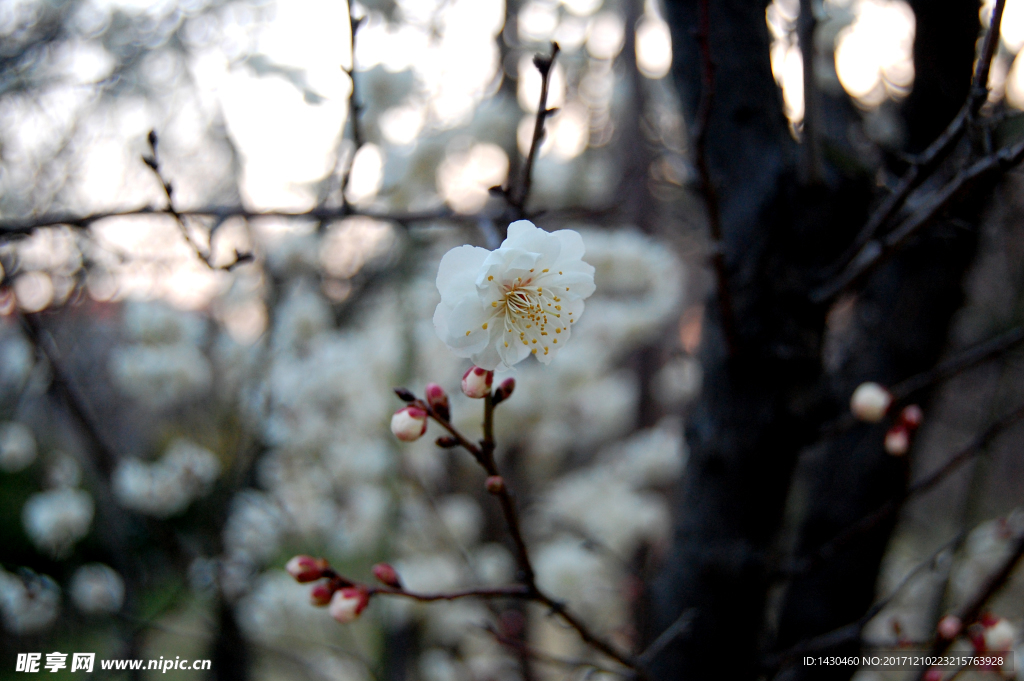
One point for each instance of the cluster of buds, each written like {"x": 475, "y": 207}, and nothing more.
{"x": 897, "y": 438}
{"x": 344, "y": 599}
{"x": 992, "y": 634}
{"x": 410, "y": 422}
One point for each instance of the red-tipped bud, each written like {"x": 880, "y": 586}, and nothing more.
{"x": 912, "y": 416}
{"x": 870, "y": 402}
{"x": 437, "y": 398}
{"x": 306, "y": 568}
{"x": 386, "y": 575}
{"x": 897, "y": 440}
{"x": 1000, "y": 635}
{"x": 950, "y": 627}
{"x": 504, "y": 391}
{"x": 348, "y": 603}
{"x": 409, "y": 423}
{"x": 405, "y": 394}
{"x": 495, "y": 484}
{"x": 446, "y": 442}
{"x": 476, "y": 382}
{"x": 320, "y": 594}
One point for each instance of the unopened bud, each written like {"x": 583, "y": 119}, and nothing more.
{"x": 912, "y": 416}
{"x": 504, "y": 391}
{"x": 348, "y": 603}
{"x": 320, "y": 595}
{"x": 495, "y": 484}
{"x": 409, "y": 423}
{"x": 437, "y": 398}
{"x": 386, "y": 575}
{"x": 476, "y": 382}
{"x": 404, "y": 394}
{"x": 306, "y": 568}
{"x": 897, "y": 440}
{"x": 870, "y": 402}
{"x": 1000, "y": 636}
{"x": 950, "y": 627}
{"x": 446, "y": 442}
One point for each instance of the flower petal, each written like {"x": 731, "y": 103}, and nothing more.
{"x": 458, "y": 271}
{"x": 524, "y": 235}
{"x": 571, "y": 244}
{"x": 464, "y": 327}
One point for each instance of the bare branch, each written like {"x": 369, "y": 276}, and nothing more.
{"x": 877, "y": 250}
{"x": 153, "y": 163}
{"x": 850, "y": 633}
{"x": 517, "y": 199}
{"x": 925, "y": 164}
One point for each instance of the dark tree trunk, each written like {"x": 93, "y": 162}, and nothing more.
{"x": 766, "y": 400}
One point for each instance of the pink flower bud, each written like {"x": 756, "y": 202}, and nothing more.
{"x": 911, "y": 416}
{"x": 348, "y": 603}
{"x": 476, "y": 382}
{"x": 495, "y": 484}
{"x": 306, "y": 568}
{"x": 387, "y": 575}
{"x": 409, "y": 423}
{"x": 897, "y": 440}
{"x": 950, "y": 627}
{"x": 437, "y": 398}
{"x": 504, "y": 391}
{"x": 870, "y": 402}
{"x": 320, "y": 594}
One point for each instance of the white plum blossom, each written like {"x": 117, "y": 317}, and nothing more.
{"x": 97, "y": 588}
{"x": 17, "y": 447}
{"x": 498, "y": 307}
{"x": 56, "y": 519}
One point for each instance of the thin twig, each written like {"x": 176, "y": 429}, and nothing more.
{"x": 850, "y": 633}
{"x": 524, "y": 650}
{"x": 153, "y": 163}
{"x": 670, "y": 634}
{"x": 924, "y": 164}
{"x": 829, "y": 549}
{"x": 355, "y": 109}
{"x": 517, "y": 198}
{"x": 877, "y": 250}
{"x": 700, "y": 135}
{"x": 25, "y": 226}
{"x": 972, "y": 356}
{"x": 517, "y": 591}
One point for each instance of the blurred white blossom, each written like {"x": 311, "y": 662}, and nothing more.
{"x": 55, "y": 520}
{"x": 97, "y": 588}
{"x": 165, "y": 488}
{"x": 17, "y": 447}
{"x": 29, "y": 605}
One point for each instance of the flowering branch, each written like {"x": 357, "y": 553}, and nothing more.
{"x": 971, "y": 610}
{"x": 152, "y": 161}
{"x": 517, "y": 199}
{"x": 865, "y": 251}
{"x": 829, "y": 549}
{"x": 410, "y": 423}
